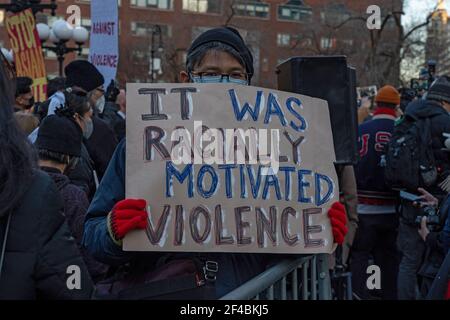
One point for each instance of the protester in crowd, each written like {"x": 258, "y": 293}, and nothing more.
{"x": 79, "y": 109}
{"x": 213, "y": 54}
{"x": 436, "y": 108}
{"x": 111, "y": 106}
{"x": 114, "y": 113}
{"x": 434, "y": 239}
{"x": 26, "y": 121}
{"x": 84, "y": 79}
{"x": 378, "y": 222}
{"x": 59, "y": 144}
{"x": 24, "y": 96}
{"x": 37, "y": 247}
{"x": 55, "y": 89}
{"x": 120, "y": 125}
{"x": 446, "y": 235}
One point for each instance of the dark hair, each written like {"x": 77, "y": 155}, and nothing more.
{"x": 23, "y": 85}
{"x": 48, "y": 155}
{"x": 75, "y": 104}
{"x": 55, "y": 85}
{"x": 196, "y": 57}
{"x": 386, "y": 105}
{"x": 16, "y": 158}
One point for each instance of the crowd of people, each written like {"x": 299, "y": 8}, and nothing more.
{"x": 62, "y": 193}
{"x": 403, "y": 223}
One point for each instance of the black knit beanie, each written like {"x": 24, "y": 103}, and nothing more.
{"x": 228, "y": 36}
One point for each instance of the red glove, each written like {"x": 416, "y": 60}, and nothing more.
{"x": 338, "y": 219}
{"x": 127, "y": 215}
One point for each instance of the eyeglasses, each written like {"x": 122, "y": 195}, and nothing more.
{"x": 234, "y": 75}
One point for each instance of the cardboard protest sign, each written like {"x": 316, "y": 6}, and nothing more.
{"x": 229, "y": 168}
{"x": 26, "y": 45}
{"x": 104, "y": 44}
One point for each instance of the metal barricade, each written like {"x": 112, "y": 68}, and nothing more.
{"x": 304, "y": 278}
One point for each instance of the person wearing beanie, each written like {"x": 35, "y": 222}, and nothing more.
{"x": 83, "y": 78}
{"x": 377, "y": 228}
{"x": 24, "y": 95}
{"x": 219, "y": 55}
{"x": 435, "y": 107}
{"x": 59, "y": 144}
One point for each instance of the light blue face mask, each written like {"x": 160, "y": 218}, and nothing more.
{"x": 218, "y": 79}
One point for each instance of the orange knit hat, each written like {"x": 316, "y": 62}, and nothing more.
{"x": 388, "y": 94}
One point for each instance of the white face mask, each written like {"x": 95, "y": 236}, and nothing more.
{"x": 100, "y": 104}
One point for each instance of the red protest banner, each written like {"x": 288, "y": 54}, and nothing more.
{"x": 26, "y": 45}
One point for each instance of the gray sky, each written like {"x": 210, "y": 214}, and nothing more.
{"x": 417, "y": 10}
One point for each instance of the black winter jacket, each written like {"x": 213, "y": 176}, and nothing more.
{"x": 440, "y": 123}
{"x": 75, "y": 209}
{"x": 82, "y": 175}
{"x": 101, "y": 146}
{"x": 40, "y": 248}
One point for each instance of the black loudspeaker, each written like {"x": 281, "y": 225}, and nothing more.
{"x": 328, "y": 78}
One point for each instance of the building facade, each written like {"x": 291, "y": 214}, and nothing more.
{"x": 438, "y": 40}
{"x": 275, "y": 31}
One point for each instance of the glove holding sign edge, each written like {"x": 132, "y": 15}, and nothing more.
{"x": 127, "y": 215}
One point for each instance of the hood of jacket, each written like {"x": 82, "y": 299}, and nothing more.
{"x": 58, "y": 178}
{"x": 425, "y": 109}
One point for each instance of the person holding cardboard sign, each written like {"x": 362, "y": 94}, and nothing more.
{"x": 216, "y": 56}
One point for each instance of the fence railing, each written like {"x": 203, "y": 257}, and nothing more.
{"x": 304, "y": 278}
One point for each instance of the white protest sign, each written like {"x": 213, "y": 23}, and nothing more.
{"x": 229, "y": 168}
{"x": 104, "y": 47}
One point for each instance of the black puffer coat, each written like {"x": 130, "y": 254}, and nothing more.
{"x": 40, "y": 248}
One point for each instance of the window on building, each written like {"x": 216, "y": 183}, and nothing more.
{"x": 327, "y": 43}
{"x": 295, "y": 10}
{"x": 335, "y": 14}
{"x": 144, "y": 29}
{"x": 87, "y": 23}
{"x": 283, "y": 40}
{"x": 202, "y": 6}
{"x": 348, "y": 42}
{"x": 48, "y": 19}
{"x": 154, "y": 4}
{"x": 251, "y": 8}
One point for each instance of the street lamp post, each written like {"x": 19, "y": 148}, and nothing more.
{"x": 35, "y": 5}
{"x": 59, "y": 35}
{"x": 156, "y": 31}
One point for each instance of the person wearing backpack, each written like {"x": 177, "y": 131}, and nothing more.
{"x": 424, "y": 164}
{"x": 377, "y": 229}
